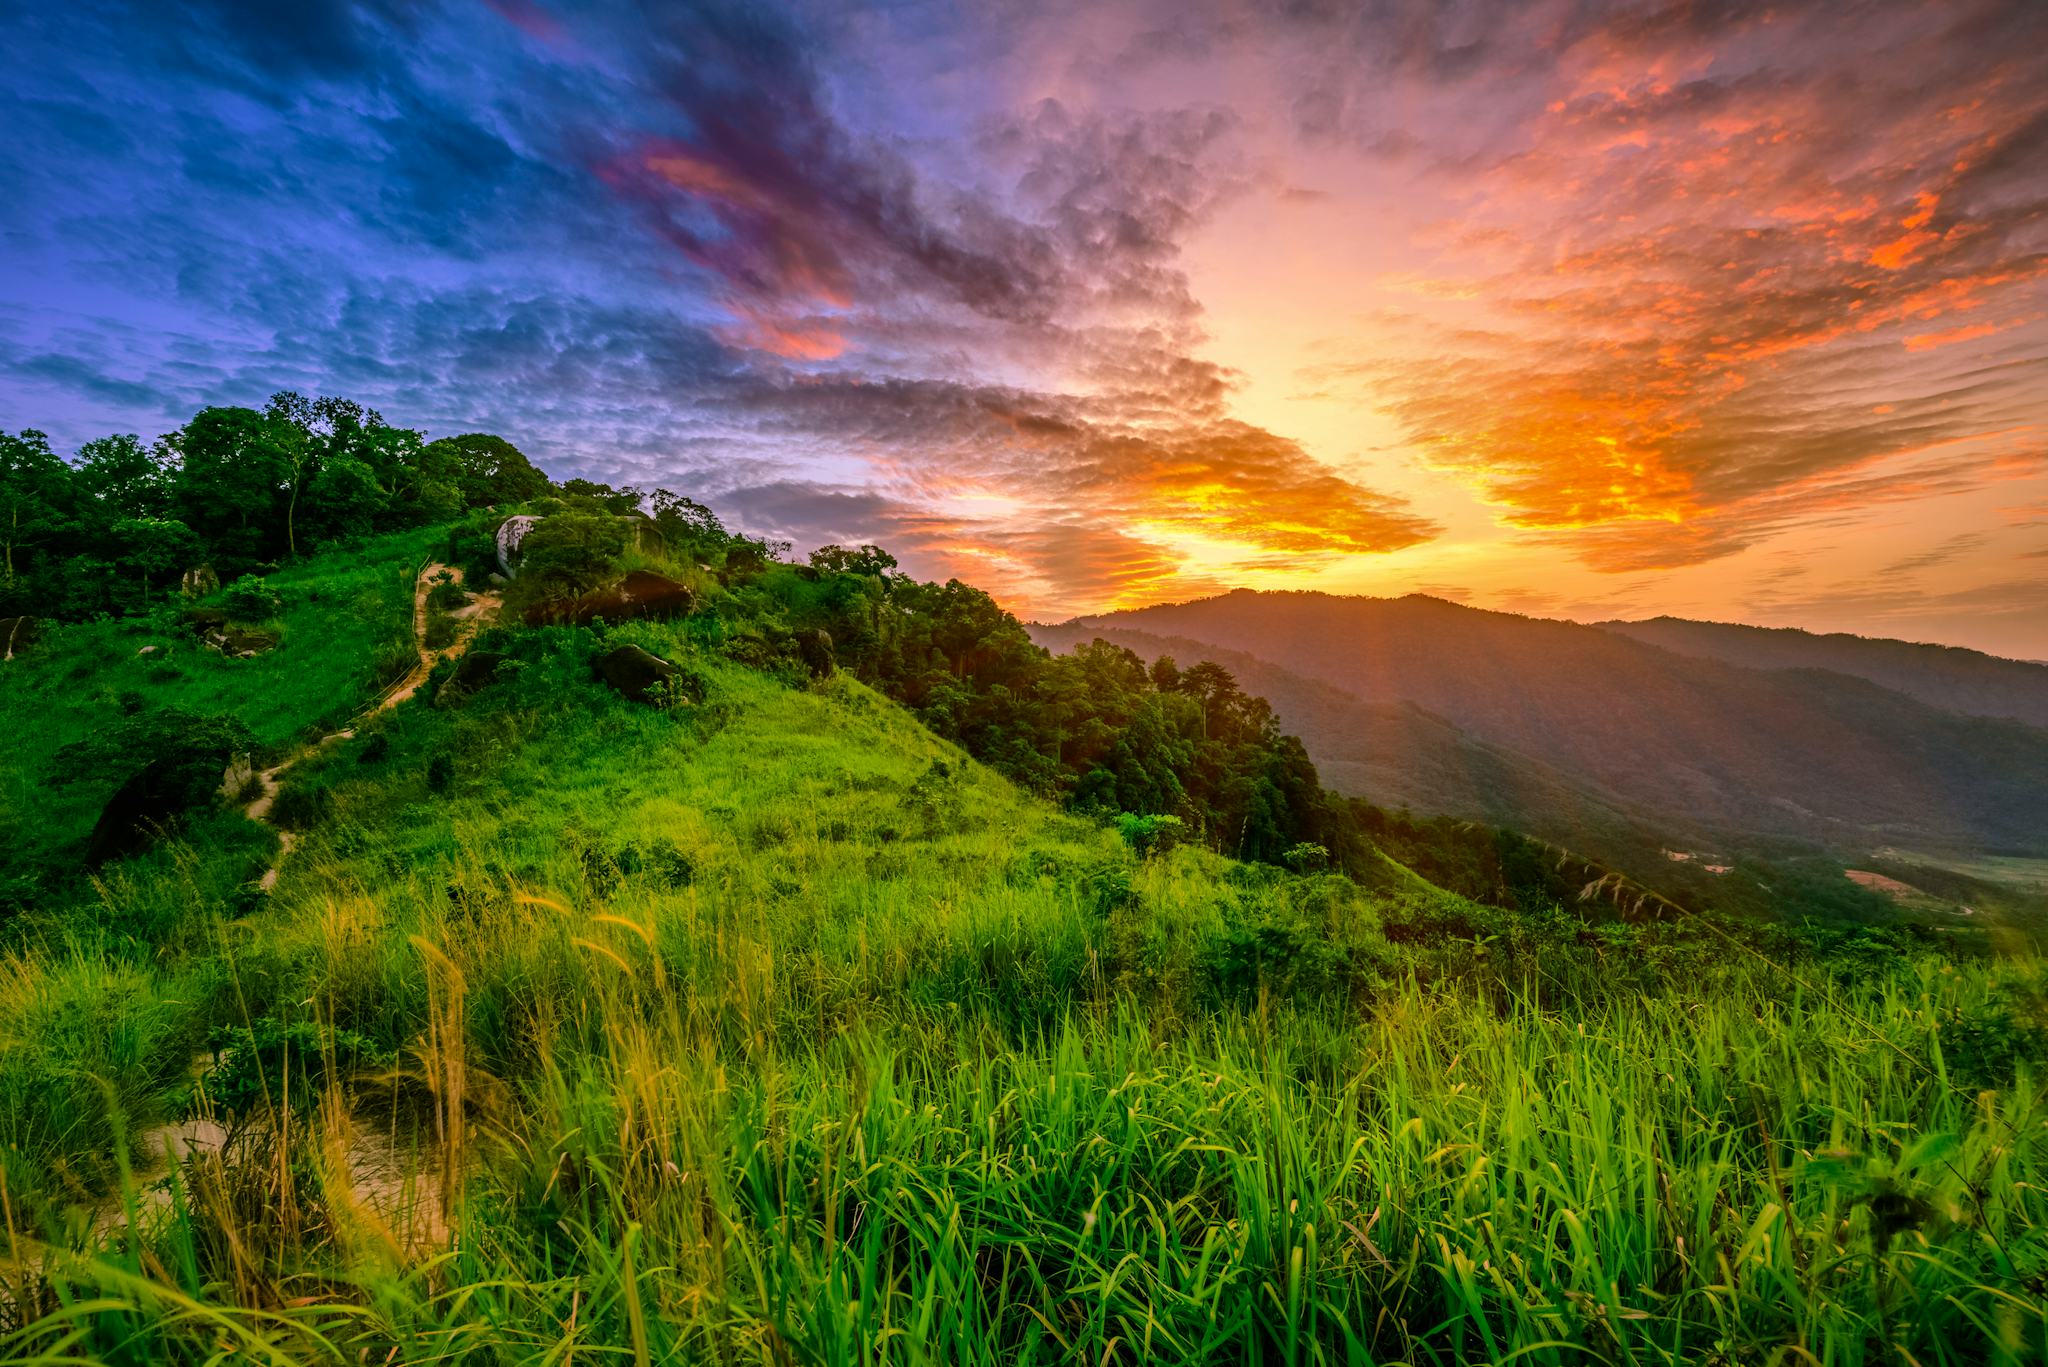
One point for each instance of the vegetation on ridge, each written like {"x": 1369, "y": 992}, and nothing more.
{"x": 768, "y": 1023}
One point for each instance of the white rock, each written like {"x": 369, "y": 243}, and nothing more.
{"x": 511, "y": 532}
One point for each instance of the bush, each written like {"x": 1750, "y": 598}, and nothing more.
{"x": 251, "y": 1062}
{"x": 571, "y": 553}
{"x": 1150, "y": 835}
{"x": 301, "y": 805}
{"x": 249, "y": 601}
{"x": 440, "y": 773}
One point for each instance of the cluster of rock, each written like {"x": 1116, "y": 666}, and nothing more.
{"x": 216, "y": 632}
{"x": 640, "y": 595}
{"x": 474, "y": 671}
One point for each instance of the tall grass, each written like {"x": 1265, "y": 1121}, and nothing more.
{"x": 772, "y": 1031}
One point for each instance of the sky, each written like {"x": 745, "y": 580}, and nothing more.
{"x": 1577, "y": 308}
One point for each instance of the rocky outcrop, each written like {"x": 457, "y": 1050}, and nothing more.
{"x": 241, "y": 769}
{"x": 511, "y": 532}
{"x": 17, "y": 634}
{"x": 241, "y": 643}
{"x": 635, "y": 673}
{"x": 814, "y": 648}
{"x": 154, "y": 800}
{"x": 213, "y": 629}
{"x": 199, "y": 581}
{"x": 473, "y": 671}
{"x": 640, "y": 595}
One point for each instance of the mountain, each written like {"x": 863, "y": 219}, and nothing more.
{"x": 1404, "y": 756}
{"x": 1688, "y": 743}
{"x": 1948, "y": 677}
{"x": 499, "y": 999}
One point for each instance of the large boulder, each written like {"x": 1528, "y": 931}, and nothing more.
{"x": 641, "y": 594}
{"x": 814, "y": 648}
{"x": 637, "y": 674}
{"x": 17, "y": 634}
{"x": 473, "y": 671}
{"x": 154, "y": 800}
{"x": 511, "y": 532}
{"x": 199, "y": 581}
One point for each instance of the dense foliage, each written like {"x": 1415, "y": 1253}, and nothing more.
{"x": 235, "y": 489}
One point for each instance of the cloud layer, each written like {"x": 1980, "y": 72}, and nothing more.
{"x": 1658, "y": 283}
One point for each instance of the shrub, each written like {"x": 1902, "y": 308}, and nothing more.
{"x": 249, "y": 600}
{"x": 1150, "y": 835}
{"x": 440, "y": 773}
{"x": 446, "y": 594}
{"x": 301, "y": 805}
{"x": 251, "y": 1062}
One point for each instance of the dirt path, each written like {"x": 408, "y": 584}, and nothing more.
{"x": 469, "y": 617}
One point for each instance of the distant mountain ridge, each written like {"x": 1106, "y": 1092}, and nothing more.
{"x": 1948, "y": 677}
{"x": 1601, "y": 722}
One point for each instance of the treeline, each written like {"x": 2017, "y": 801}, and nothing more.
{"x": 235, "y": 489}
{"x": 1179, "y": 753}
{"x": 1097, "y": 729}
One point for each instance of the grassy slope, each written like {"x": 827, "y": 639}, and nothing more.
{"x": 321, "y": 670}
{"x": 874, "y": 1060}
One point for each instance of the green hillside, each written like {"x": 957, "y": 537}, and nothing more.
{"x": 761, "y": 1021}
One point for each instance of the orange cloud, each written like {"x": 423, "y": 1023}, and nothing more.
{"x": 1679, "y": 353}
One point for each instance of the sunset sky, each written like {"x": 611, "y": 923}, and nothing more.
{"x": 1574, "y": 309}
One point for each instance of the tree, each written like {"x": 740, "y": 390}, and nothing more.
{"x": 236, "y": 472}
{"x": 147, "y": 547}
{"x": 35, "y": 487}
{"x": 686, "y": 522}
{"x": 425, "y": 480}
{"x": 124, "y": 477}
{"x": 489, "y": 470}
{"x": 344, "y": 499}
{"x": 870, "y": 560}
{"x": 573, "y": 551}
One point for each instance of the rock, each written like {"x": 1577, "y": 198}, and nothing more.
{"x": 199, "y": 581}
{"x": 242, "y": 643}
{"x": 149, "y": 650}
{"x": 511, "y": 532}
{"x": 203, "y": 620}
{"x": 241, "y": 768}
{"x": 634, "y": 672}
{"x": 496, "y": 580}
{"x": 472, "y": 672}
{"x": 154, "y": 800}
{"x": 639, "y": 595}
{"x": 18, "y": 634}
{"x": 646, "y": 532}
{"x": 814, "y": 648}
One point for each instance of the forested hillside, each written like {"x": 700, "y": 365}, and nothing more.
{"x": 1947, "y": 677}
{"x": 568, "y": 929}
{"x": 1690, "y": 743}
